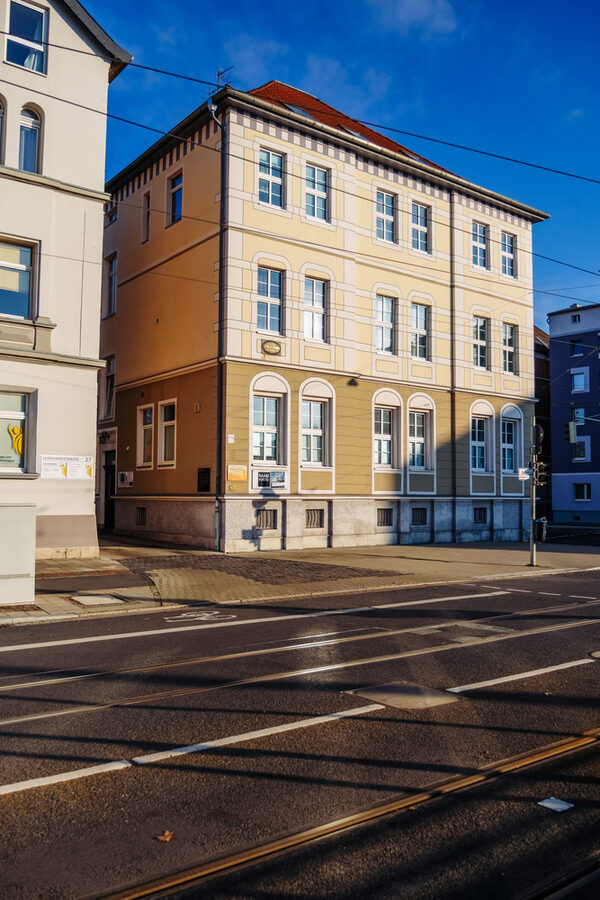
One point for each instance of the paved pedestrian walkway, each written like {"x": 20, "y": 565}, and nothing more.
{"x": 133, "y": 577}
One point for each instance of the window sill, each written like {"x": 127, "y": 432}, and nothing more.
{"x": 319, "y": 467}
{"x": 24, "y": 476}
{"x": 15, "y": 65}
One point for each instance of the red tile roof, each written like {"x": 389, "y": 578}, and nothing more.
{"x": 283, "y": 95}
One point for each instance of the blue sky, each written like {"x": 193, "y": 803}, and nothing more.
{"x": 515, "y": 78}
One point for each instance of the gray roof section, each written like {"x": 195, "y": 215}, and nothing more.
{"x": 119, "y": 57}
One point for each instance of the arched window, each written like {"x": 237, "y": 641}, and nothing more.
{"x": 386, "y": 428}
{"x": 316, "y": 423}
{"x": 482, "y": 437}
{"x": 29, "y": 141}
{"x": 1, "y": 131}
{"x": 269, "y": 395}
{"x": 421, "y": 433}
{"x": 511, "y": 439}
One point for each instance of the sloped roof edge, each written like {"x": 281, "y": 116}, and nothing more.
{"x": 120, "y": 57}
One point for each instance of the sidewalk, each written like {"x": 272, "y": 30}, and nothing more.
{"x": 131, "y": 577}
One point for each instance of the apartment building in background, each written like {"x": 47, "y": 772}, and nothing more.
{"x": 575, "y": 395}
{"x": 313, "y": 337}
{"x": 55, "y": 66}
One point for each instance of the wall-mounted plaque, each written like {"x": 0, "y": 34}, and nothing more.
{"x": 272, "y": 348}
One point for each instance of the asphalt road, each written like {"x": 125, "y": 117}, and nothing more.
{"x": 284, "y": 690}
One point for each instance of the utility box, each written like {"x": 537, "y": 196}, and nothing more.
{"x": 17, "y": 553}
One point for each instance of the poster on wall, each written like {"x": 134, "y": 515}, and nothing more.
{"x": 275, "y": 479}
{"x": 66, "y": 467}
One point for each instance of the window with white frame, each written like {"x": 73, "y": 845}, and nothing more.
{"x": 313, "y": 431}
{"x": 417, "y": 439}
{"x": 575, "y": 318}
{"x": 167, "y": 424}
{"x": 420, "y": 227}
{"x": 29, "y": 141}
{"x": 270, "y": 178}
{"x": 317, "y": 193}
{"x": 385, "y": 216}
{"x": 1, "y": 132}
{"x": 582, "y": 490}
{"x": 383, "y": 437}
{"x": 481, "y": 331}
{"x": 145, "y": 436}
{"x": 27, "y": 28}
{"x": 111, "y": 283}
{"x": 269, "y": 287}
{"x": 507, "y": 254}
{"x": 580, "y": 380}
{"x": 581, "y": 449}
{"x": 480, "y": 245}
{"x": 146, "y": 212}
{"x": 385, "y": 308}
{"x": 509, "y": 348}
{"x": 266, "y": 429}
{"x": 175, "y": 198}
{"x": 508, "y": 445}
{"x": 16, "y": 280}
{"x": 419, "y": 339}
{"x": 315, "y": 308}
{"x": 579, "y": 415}
{"x": 109, "y": 388}
{"x": 479, "y": 443}
{"x": 14, "y": 410}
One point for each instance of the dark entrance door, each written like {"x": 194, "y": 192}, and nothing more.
{"x": 109, "y": 490}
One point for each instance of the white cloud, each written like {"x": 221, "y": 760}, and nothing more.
{"x": 255, "y": 60}
{"x": 434, "y": 18}
{"x": 575, "y": 114}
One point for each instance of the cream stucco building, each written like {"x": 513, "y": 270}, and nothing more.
{"x": 313, "y": 336}
{"x": 55, "y": 66}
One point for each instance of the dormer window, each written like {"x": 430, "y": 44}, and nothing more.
{"x": 26, "y": 35}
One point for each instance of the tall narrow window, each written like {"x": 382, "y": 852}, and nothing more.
{"x": 508, "y": 445}
{"x": 479, "y": 444}
{"x": 167, "y": 425}
{"x": 16, "y": 282}
{"x": 385, "y": 218}
{"x": 384, "y": 329}
{"x": 315, "y": 298}
{"x": 109, "y": 397}
{"x": 26, "y": 35}
{"x": 507, "y": 248}
{"x": 480, "y": 342}
{"x": 29, "y": 141}
{"x": 265, "y": 429}
{"x": 146, "y": 217}
{"x": 1, "y": 132}
{"x": 175, "y": 199}
{"x": 270, "y": 283}
{"x": 313, "y": 431}
{"x": 270, "y": 181}
{"x": 480, "y": 245}
{"x": 317, "y": 193}
{"x": 419, "y": 339}
{"x": 420, "y": 227}
{"x": 509, "y": 348}
{"x": 111, "y": 296}
{"x": 13, "y": 432}
{"x": 383, "y": 437}
{"x": 145, "y": 435}
{"x": 417, "y": 439}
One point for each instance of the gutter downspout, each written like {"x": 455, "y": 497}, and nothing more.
{"x": 453, "y": 367}
{"x": 220, "y": 328}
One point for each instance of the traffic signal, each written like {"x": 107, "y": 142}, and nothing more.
{"x": 541, "y": 475}
{"x": 571, "y": 432}
{"x": 538, "y": 437}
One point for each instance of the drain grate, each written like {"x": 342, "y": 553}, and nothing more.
{"x": 405, "y": 695}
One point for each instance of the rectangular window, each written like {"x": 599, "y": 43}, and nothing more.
{"x": 480, "y": 515}
{"x": 166, "y": 439}
{"x": 507, "y": 253}
{"x": 146, "y": 217}
{"x": 419, "y": 515}
{"x": 313, "y": 431}
{"x": 581, "y": 449}
{"x": 270, "y": 282}
{"x": 315, "y": 518}
{"x": 265, "y": 429}
{"x": 111, "y": 212}
{"x": 266, "y": 519}
{"x": 576, "y": 347}
{"x": 145, "y": 435}
{"x": 16, "y": 280}
{"x": 270, "y": 179}
{"x": 1, "y": 132}
{"x": 480, "y": 245}
{"x": 384, "y": 329}
{"x": 578, "y": 381}
{"x": 575, "y": 318}
{"x": 479, "y": 444}
{"x": 508, "y": 445}
{"x": 480, "y": 342}
{"x": 509, "y": 347}
{"x": 315, "y": 300}
{"x": 385, "y": 216}
{"x": 317, "y": 193}
{"x": 140, "y": 516}
{"x": 420, "y": 218}
{"x": 383, "y": 437}
{"x": 111, "y": 295}
{"x": 579, "y": 415}
{"x": 582, "y": 491}
{"x": 26, "y": 35}
{"x": 417, "y": 439}
{"x": 385, "y": 517}
{"x": 419, "y": 339}
{"x": 109, "y": 396}
{"x": 175, "y": 198}
{"x": 13, "y": 432}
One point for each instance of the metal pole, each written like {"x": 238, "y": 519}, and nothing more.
{"x": 533, "y": 467}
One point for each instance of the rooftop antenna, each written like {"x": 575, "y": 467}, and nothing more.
{"x": 220, "y": 74}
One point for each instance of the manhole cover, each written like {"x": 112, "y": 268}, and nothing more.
{"x": 96, "y": 600}
{"x": 404, "y": 695}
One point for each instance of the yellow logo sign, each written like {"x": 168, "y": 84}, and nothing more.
{"x": 16, "y": 434}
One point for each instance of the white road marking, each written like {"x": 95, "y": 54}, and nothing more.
{"x": 579, "y": 597}
{"x": 15, "y": 648}
{"x": 520, "y": 675}
{"x": 254, "y": 735}
{"x": 63, "y": 776}
{"x": 548, "y": 594}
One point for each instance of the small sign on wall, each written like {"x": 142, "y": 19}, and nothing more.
{"x": 125, "y": 479}
{"x": 66, "y": 467}
{"x": 275, "y": 479}
{"x": 237, "y": 473}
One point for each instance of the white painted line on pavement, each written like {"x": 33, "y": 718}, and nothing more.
{"x": 520, "y": 675}
{"x": 63, "y": 776}
{"x": 548, "y": 594}
{"x": 580, "y": 597}
{"x": 254, "y": 735}
{"x": 15, "y": 648}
